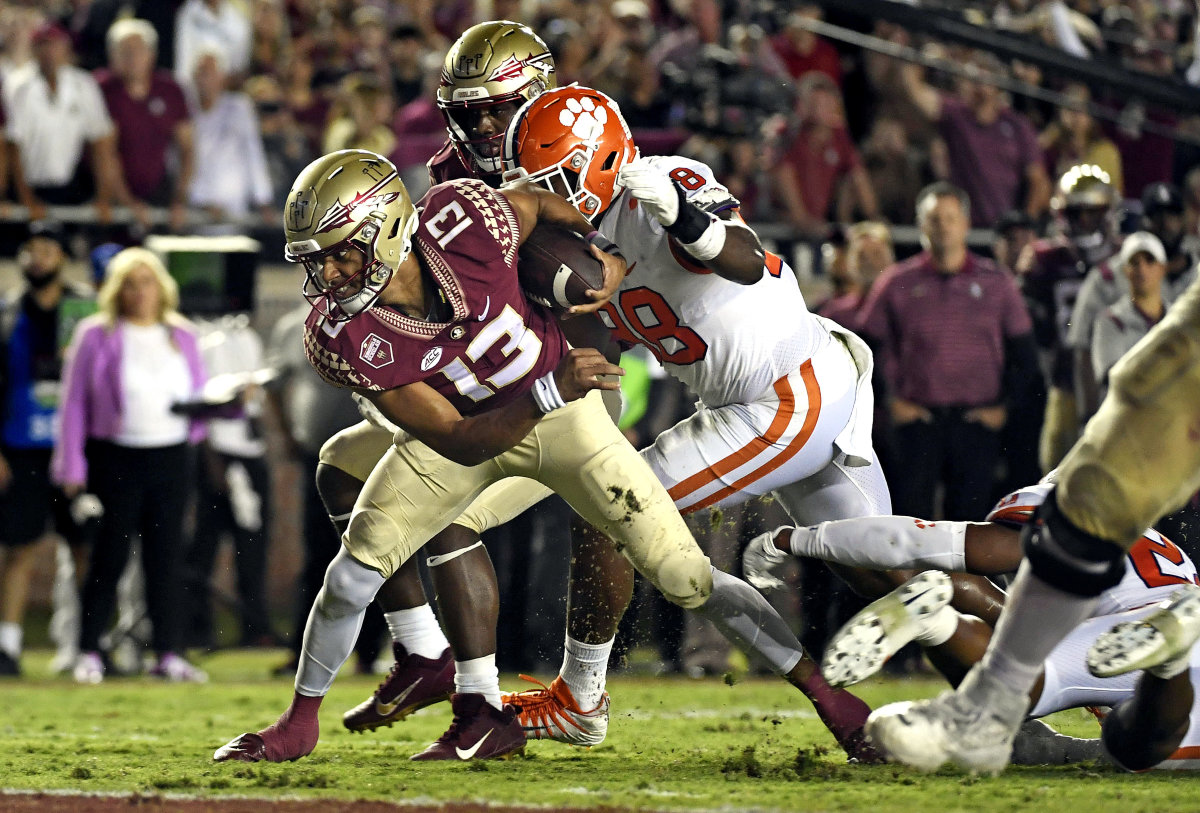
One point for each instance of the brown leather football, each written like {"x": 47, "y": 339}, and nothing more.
{"x": 556, "y": 267}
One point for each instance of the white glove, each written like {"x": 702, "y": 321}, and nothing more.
{"x": 760, "y": 558}
{"x": 650, "y": 184}
{"x": 371, "y": 412}
{"x": 84, "y": 507}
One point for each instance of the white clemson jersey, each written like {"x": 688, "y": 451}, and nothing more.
{"x": 1155, "y": 567}
{"x": 727, "y": 341}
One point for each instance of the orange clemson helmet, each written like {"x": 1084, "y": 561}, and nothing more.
{"x": 574, "y": 141}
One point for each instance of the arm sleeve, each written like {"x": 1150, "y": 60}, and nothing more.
{"x": 67, "y": 462}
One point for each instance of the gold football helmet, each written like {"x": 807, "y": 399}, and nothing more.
{"x": 491, "y": 64}
{"x": 348, "y": 199}
{"x": 1086, "y": 203}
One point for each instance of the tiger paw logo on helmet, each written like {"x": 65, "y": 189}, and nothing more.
{"x": 585, "y": 118}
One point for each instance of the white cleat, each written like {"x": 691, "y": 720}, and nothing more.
{"x": 865, "y": 643}
{"x": 972, "y": 727}
{"x": 760, "y": 558}
{"x": 1162, "y": 638}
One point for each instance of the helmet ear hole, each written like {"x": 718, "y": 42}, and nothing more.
{"x": 610, "y": 161}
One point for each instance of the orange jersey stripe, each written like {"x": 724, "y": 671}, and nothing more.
{"x": 783, "y": 416}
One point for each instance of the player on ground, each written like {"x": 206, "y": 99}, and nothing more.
{"x": 918, "y": 610}
{"x": 1138, "y": 459}
{"x": 784, "y": 395}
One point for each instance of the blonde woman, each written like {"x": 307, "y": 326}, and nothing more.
{"x": 127, "y": 366}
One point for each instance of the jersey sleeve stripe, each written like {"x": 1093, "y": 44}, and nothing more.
{"x": 685, "y": 261}
{"x": 773, "y": 262}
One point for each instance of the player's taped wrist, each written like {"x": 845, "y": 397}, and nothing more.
{"x": 601, "y": 242}
{"x": 701, "y": 234}
{"x": 546, "y": 395}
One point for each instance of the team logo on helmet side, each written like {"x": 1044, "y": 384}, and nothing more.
{"x": 514, "y": 68}
{"x": 341, "y": 214}
{"x": 300, "y": 209}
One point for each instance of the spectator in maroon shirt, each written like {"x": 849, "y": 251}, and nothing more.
{"x": 955, "y": 339}
{"x": 150, "y": 113}
{"x": 993, "y": 149}
{"x": 802, "y": 51}
{"x": 820, "y": 157}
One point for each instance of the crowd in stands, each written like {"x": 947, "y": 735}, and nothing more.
{"x": 205, "y": 110}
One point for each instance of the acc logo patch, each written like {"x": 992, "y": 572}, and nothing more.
{"x": 376, "y": 351}
{"x": 430, "y": 359}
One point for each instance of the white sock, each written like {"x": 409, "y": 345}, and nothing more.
{"x": 584, "y": 669}
{"x": 10, "y": 638}
{"x": 417, "y": 630}
{"x": 1036, "y": 618}
{"x": 938, "y": 628}
{"x": 479, "y": 676}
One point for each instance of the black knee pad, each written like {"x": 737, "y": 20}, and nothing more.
{"x": 1067, "y": 558}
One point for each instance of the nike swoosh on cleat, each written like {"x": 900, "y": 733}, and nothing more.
{"x": 470, "y": 752}
{"x": 384, "y": 709}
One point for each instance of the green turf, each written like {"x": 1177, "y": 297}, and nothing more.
{"x": 674, "y": 744}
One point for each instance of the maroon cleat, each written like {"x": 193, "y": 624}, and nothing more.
{"x": 413, "y": 684}
{"x": 292, "y": 736}
{"x": 479, "y": 731}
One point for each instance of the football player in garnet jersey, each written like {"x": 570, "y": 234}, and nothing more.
{"x": 492, "y": 69}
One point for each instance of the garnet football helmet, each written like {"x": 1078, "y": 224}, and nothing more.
{"x": 573, "y": 141}
{"x": 343, "y": 200}
{"x": 491, "y": 64}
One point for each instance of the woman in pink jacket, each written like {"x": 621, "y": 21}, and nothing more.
{"x": 122, "y": 440}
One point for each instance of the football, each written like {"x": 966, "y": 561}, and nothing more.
{"x": 556, "y": 268}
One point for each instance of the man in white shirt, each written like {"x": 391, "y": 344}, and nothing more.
{"x": 55, "y": 110}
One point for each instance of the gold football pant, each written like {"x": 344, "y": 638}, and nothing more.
{"x": 412, "y": 493}
{"x": 1060, "y": 428}
{"x": 1139, "y": 457}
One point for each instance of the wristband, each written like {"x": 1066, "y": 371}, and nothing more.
{"x": 546, "y": 395}
{"x": 690, "y": 223}
{"x": 601, "y": 242}
{"x": 710, "y": 243}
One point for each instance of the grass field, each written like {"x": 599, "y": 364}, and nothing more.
{"x": 673, "y": 744}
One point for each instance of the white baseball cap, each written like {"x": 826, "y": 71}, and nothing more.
{"x": 1141, "y": 242}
